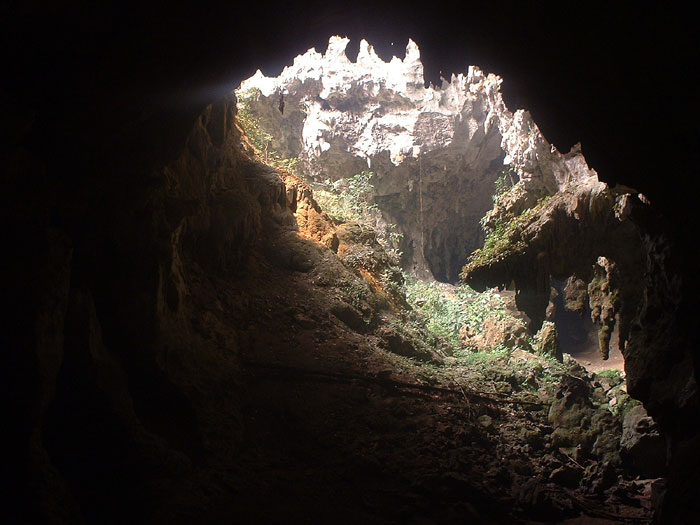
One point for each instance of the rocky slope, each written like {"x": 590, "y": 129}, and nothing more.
{"x": 435, "y": 153}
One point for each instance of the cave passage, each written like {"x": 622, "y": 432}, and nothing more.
{"x": 578, "y": 335}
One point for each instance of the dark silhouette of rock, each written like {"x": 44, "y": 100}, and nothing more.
{"x": 642, "y": 445}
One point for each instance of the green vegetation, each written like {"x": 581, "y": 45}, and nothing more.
{"x": 507, "y": 372}
{"x": 504, "y": 239}
{"x": 251, "y": 124}
{"x": 503, "y": 184}
{"x": 259, "y": 138}
{"x": 351, "y": 201}
{"x": 625, "y": 403}
{"x": 482, "y": 359}
{"x": 612, "y": 374}
{"x": 443, "y": 312}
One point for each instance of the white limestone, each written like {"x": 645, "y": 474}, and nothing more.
{"x": 378, "y": 107}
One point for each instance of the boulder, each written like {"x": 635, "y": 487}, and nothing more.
{"x": 641, "y": 444}
{"x": 578, "y": 424}
{"x": 498, "y": 331}
{"x": 547, "y": 342}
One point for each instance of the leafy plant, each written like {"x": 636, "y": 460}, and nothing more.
{"x": 479, "y": 306}
{"x": 443, "y": 311}
{"x": 351, "y": 203}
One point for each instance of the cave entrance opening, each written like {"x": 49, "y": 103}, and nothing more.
{"x": 578, "y": 335}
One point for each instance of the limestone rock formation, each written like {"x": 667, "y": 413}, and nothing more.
{"x": 435, "y": 151}
{"x": 504, "y": 331}
{"x": 546, "y": 340}
{"x": 603, "y": 298}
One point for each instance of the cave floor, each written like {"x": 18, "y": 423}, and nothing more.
{"x": 335, "y": 428}
{"x": 592, "y": 361}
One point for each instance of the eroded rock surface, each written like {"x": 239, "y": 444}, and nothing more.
{"x": 435, "y": 150}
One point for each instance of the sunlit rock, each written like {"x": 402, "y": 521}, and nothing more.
{"x": 435, "y": 151}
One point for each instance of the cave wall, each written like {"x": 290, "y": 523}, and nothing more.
{"x": 121, "y": 379}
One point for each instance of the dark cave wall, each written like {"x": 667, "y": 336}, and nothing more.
{"x": 112, "y": 182}
{"x": 120, "y": 389}
{"x": 437, "y": 203}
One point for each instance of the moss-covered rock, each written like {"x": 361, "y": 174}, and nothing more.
{"x": 506, "y": 237}
{"x": 547, "y": 341}
{"x": 578, "y": 424}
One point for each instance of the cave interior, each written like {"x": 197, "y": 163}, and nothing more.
{"x": 191, "y": 337}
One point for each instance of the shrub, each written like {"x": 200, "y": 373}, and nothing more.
{"x": 443, "y": 311}
{"x": 352, "y": 203}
